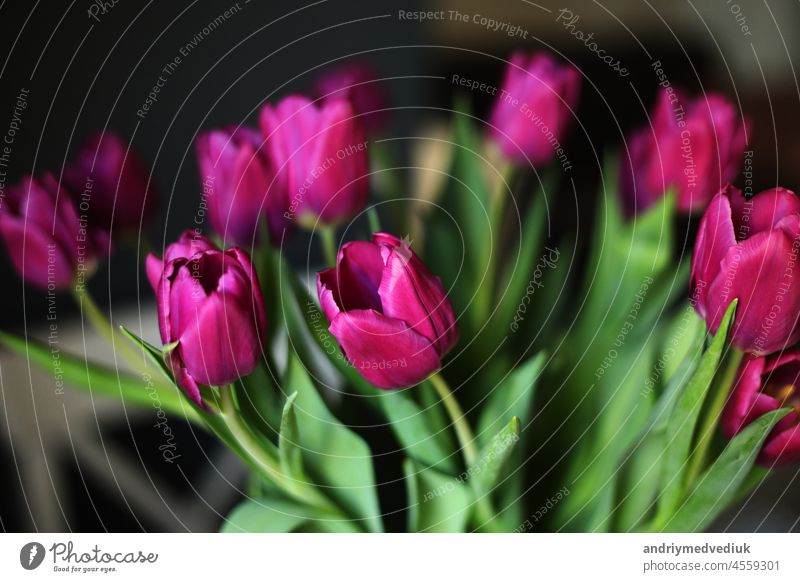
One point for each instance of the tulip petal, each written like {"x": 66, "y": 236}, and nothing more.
{"x": 184, "y": 379}
{"x": 410, "y": 292}
{"x": 784, "y": 447}
{"x": 153, "y": 267}
{"x": 763, "y": 211}
{"x": 743, "y": 393}
{"x": 384, "y": 350}
{"x": 221, "y": 344}
{"x": 255, "y": 299}
{"x": 754, "y": 271}
{"x": 714, "y": 238}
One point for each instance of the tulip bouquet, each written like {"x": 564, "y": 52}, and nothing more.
{"x": 488, "y": 372}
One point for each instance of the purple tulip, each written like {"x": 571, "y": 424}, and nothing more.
{"x": 531, "y": 114}
{"x": 766, "y": 384}
{"x": 357, "y": 83}
{"x": 320, "y": 155}
{"x": 748, "y": 250}
{"x": 694, "y": 146}
{"x": 391, "y": 316}
{"x": 236, "y": 176}
{"x": 51, "y": 245}
{"x": 211, "y": 308}
{"x": 113, "y": 182}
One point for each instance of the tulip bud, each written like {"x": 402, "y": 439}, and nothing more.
{"x": 765, "y": 384}
{"x": 113, "y": 182}
{"x": 391, "y": 316}
{"x": 694, "y": 146}
{"x": 748, "y": 250}
{"x": 211, "y": 309}
{"x": 531, "y": 114}
{"x": 49, "y": 242}
{"x": 320, "y": 155}
{"x": 357, "y": 83}
{"x": 236, "y": 176}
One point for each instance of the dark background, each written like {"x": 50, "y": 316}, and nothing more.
{"x": 85, "y": 76}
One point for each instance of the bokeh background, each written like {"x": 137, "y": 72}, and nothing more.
{"x": 73, "y": 463}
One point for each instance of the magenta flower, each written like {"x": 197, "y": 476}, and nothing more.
{"x": 236, "y": 176}
{"x": 748, "y": 250}
{"x": 112, "y": 181}
{"x": 320, "y": 155}
{"x": 357, "y": 83}
{"x": 766, "y": 384}
{"x": 210, "y": 310}
{"x": 49, "y": 242}
{"x": 391, "y": 316}
{"x": 693, "y": 145}
{"x": 533, "y": 110}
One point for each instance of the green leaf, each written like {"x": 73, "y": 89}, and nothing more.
{"x": 624, "y": 253}
{"x": 277, "y": 515}
{"x": 682, "y": 340}
{"x": 485, "y": 472}
{"x": 683, "y": 420}
{"x": 334, "y": 456}
{"x": 412, "y": 426}
{"x": 266, "y": 516}
{"x": 100, "y": 380}
{"x": 436, "y": 502}
{"x": 288, "y": 449}
{"x": 459, "y": 227}
{"x": 512, "y": 397}
{"x": 261, "y": 401}
{"x": 153, "y": 354}
{"x": 525, "y": 261}
{"x": 640, "y": 474}
{"x": 719, "y": 485}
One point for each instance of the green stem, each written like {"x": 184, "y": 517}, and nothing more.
{"x": 463, "y": 431}
{"x": 267, "y": 464}
{"x": 120, "y": 344}
{"x": 497, "y": 205}
{"x": 374, "y": 220}
{"x": 723, "y": 387}
{"x": 484, "y": 512}
{"x": 327, "y": 236}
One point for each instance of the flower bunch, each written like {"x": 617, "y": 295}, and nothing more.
{"x": 502, "y": 357}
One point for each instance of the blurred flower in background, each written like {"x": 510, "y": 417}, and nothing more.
{"x": 236, "y": 175}
{"x": 114, "y": 181}
{"x": 358, "y": 83}
{"x": 693, "y": 145}
{"x": 49, "y": 242}
{"x": 320, "y": 156}
{"x": 534, "y": 107}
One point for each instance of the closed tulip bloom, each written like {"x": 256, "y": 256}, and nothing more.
{"x": 48, "y": 241}
{"x": 390, "y": 315}
{"x": 211, "y": 309}
{"x": 113, "y": 182}
{"x": 357, "y": 83}
{"x": 320, "y": 156}
{"x": 694, "y": 146}
{"x": 765, "y": 384}
{"x": 748, "y": 250}
{"x": 532, "y": 113}
{"x": 236, "y": 176}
